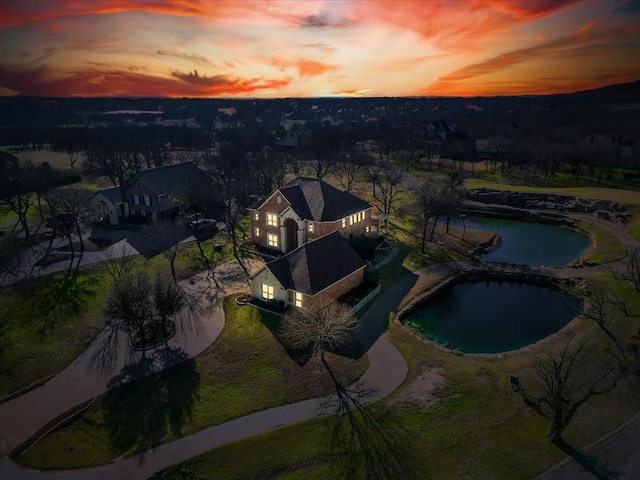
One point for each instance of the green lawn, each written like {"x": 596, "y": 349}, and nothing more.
{"x": 46, "y": 323}
{"x": 477, "y": 427}
{"x": 246, "y": 370}
{"x": 607, "y": 247}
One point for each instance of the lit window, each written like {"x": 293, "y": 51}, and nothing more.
{"x": 367, "y": 229}
{"x": 267, "y": 291}
{"x": 351, "y": 220}
{"x": 297, "y": 297}
{"x": 272, "y": 219}
{"x": 272, "y": 240}
{"x": 257, "y": 216}
{"x": 344, "y": 222}
{"x": 257, "y": 232}
{"x": 311, "y": 227}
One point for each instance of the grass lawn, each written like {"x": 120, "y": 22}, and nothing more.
{"x": 46, "y": 323}
{"x": 246, "y": 370}
{"x": 607, "y": 247}
{"x": 475, "y": 426}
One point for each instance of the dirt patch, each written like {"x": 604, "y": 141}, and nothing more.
{"x": 422, "y": 389}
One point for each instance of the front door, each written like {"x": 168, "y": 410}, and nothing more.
{"x": 292, "y": 234}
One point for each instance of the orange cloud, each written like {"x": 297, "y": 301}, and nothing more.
{"x": 576, "y": 45}
{"x": 305, "y": 68}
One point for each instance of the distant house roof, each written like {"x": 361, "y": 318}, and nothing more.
{"x": 313, "y": 199}
{"x": 171, "y": 178}
{"x": 316, "y": 265}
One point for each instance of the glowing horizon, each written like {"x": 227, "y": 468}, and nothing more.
{"x": 280, "y": 48}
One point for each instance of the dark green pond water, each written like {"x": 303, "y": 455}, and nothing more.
{"x": 493, "y": 317}
{"x": 528, "y": 243}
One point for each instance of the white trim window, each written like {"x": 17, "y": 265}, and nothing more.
{"x": 136, "y": 198}
{"x": 267, "y": 291}
{"x": 297, "y": 299}
{"x": 272, "y": 240}
{"x": 272, "y": 220}
{"x": 147, "y": 201}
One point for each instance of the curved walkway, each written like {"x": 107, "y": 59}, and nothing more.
{"x": 387, "y": 370}
{"x": 89, "y": 374}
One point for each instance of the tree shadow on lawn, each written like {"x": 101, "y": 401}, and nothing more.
{"x": 60, "y": 296}
{"x": 590, "y": 463}
{"x": 371, "y": 437}
{"x": 141, "y": 414}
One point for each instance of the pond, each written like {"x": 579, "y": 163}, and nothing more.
{"x": 493, "y": 316}
{"x": 529, "y": 243}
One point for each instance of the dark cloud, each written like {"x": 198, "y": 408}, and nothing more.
{"x": 44, "y": 80}
{"x": 193, "y": 58}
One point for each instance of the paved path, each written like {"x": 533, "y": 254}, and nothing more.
{"x": 89, "y": 374}
{"x": 387, "y": 370}
{"x": 614, "y": 456}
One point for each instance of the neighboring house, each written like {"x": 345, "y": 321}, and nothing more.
{"x": 319, "y": 271}
{"x": 155, "y": 194}
{"x": 306, "y": 209}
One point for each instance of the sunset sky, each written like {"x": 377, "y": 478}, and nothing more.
{"x": 206, "y": 48}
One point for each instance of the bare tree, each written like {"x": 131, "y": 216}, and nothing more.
{"x": 566, "y": 383}
{"x": 168, "y": 299}
{"x": 71, "y": 209}
{"x": 129, "y": 305}
{"x": 137, "y": 303}
{"x": 389, "y": 182}
{"x": 121, "y": 260}
{"x": 318, "y": 327}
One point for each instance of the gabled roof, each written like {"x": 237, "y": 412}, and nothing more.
{"x": 316, "y": 265}
{"x": 313, "y": 199}
{"x": 114, "y": 195}
{"x": 169, "y": 179}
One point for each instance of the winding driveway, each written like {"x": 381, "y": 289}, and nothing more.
{"x": 82, "y": 380}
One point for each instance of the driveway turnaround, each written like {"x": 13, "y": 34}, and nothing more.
{"x": 387, "y": 370}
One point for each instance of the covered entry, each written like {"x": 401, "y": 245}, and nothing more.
{"x": 291, "y": 227}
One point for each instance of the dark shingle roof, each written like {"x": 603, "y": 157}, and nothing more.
{"x": 316, "y": 265}
{"x": 171, "y": 178}
{"x": 313, "y": 199}
{"x": 114, "y": 195}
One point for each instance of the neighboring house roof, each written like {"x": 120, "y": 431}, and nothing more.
{"x": 313, "y": 199}
{"x": 316, "y": 265}
{"x": 114, "y": 195}
{"x": 171, "y": 178}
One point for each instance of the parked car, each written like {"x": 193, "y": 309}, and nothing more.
{"x": 201, "y": 223}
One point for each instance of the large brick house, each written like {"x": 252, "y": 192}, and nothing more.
{"x": 318, "y": 271}
{"x": 155, "y": 194}
{"x": 304, "y": 210}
